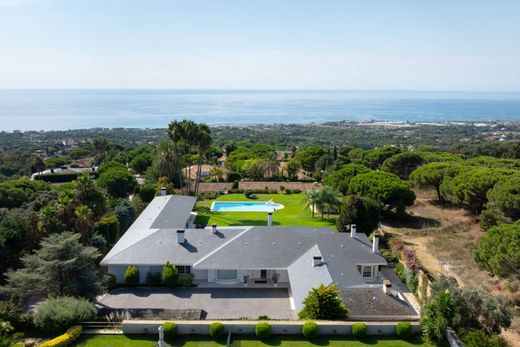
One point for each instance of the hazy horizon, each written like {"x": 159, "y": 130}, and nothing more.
{"x": 400, "y": 45}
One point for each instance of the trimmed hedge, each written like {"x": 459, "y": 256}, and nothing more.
{"x": 170, "y": 330}
{"x": 359, "y": 329}
{"x": 131, "y": 276}
{"x": 170, "y": 275}
{"x": 216, "y": 329}
{"x": 65, "y": 339}
{"x": 263, "y": 330}
{"x": 403, "y": 329}
{"x": 310, "y": 329}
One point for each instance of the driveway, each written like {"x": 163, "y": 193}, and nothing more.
{"x": 218, "y": 303}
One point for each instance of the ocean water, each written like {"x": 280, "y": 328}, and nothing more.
{"x": 75, "y": 109}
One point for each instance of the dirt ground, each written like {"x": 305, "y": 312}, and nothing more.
{"x": 444, "y": 239}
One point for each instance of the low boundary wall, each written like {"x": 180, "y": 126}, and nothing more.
{"x": 248, "y": 327}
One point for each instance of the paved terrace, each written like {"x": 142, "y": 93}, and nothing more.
{"x": 218, "y": 303}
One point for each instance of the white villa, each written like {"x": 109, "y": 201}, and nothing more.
{"x": 301, "y": 257}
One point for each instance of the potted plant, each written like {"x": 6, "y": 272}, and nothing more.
{"x": 276, "y": 277}
{"x": 246, "y": 278}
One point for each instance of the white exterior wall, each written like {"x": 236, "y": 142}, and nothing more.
{"x": 200, "y": 274}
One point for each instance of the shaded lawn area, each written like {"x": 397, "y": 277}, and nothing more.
{"x": 293, "y": 214}
{"x": 246, "y": 341}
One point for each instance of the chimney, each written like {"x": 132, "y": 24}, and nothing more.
{"x": 214, "y": 228}
{"x": 317, "y": 261}
{"x": 269, "y": 219}
{"x": 180, "y": 236}
{"x": 375, "y": 244}
{"x": 353, "y": 230}
{"x": 163, "y": 191}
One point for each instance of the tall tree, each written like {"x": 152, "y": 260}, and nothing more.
{"x": 62, "y": 266}
{"x": 362, "y": 211}
{"x": 168, "y": 163}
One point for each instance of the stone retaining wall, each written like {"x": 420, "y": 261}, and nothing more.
{"x": 248, "y": 327}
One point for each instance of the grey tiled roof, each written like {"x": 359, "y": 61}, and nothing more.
{"x": 170, "y": 211}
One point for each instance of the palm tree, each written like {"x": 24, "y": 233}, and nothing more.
{"x": 328, "y": 198}
{"x": 167, "y": 162}
{"x": 84, "y": 221}
{"x": 217, "y": 173}
{"x": 271, "y": 166}
{"x": 312, "y": 198}
{"x": 203, "y": 141}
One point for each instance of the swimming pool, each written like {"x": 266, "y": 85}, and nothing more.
{"x": 245, "y": 206}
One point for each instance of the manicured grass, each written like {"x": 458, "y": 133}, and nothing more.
{"x": 293, "y": 214}
{"x": 246, "y": 341}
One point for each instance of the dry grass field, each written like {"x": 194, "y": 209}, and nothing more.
{"x": 444, "y": 239}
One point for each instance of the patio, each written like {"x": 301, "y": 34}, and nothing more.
{"x": 217, "y": 303}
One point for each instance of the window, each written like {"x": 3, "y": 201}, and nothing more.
{"x": 367, "y": 271}
{"x": 184, "y": 269}
{"x": 226, "y": 275}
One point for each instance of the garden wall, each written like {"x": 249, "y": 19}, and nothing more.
{"x": 248, "y": 327}
{"x": 273, "y": 186}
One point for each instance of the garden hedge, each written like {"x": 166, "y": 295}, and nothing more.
{"x": 65, "y": 339}
{"x": 310, "y": 329}
{"x": 403, "y": 329}
{"x": 216, "y": 329}
{"x": 170, "y": 330}
{"x": 263, "y": 330}
{"x": 359, "y": 329}
{"x": 131, "y": 276}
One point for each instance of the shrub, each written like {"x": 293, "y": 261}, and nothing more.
{"x": 65, "y": 339}
{"x": 109, "y": 281}
{"x": 108, "y": 226}
{"x": 411, "y": 280}
{"x": 56, "y": 314}
{"x": 154, "y": 278}
{"x": 216, "y": 329}
{"x": 13, "y": 313}
{"x": 478, "y": 338}
{"x": 411, "y": 260}
{"x": 403, "y": 329}
{"x": 282, "y": 187}
{"x": 186, "y": 280}
{"x": 263, "y": 330}
{"x": 170, "y": 330}
{"x": 399, "y": 271}
{"x": 324, "y": 303}
{"x": 310, "y": 329}
{"x": 131, "y": 276}
{"x": 359, "y": 330}
{"x": 170, "y": 275}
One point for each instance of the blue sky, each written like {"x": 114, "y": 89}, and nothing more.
{"x": 264, "y": 44}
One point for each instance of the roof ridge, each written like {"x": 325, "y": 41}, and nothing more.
{"x": 221, "y": 246}
{"x": 130, "y": 246}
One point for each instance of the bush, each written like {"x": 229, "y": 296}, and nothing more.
{"x": 56, "y": 314}
{"x": 186, "y": 280}
{"x": 399, "y": 271}
{"x": 411, "y": 280}
{"x": 359, "y": 330}
{"x": 403, "y": 329}
{"x": 216, "y": 329}
{"x": 310, "y": 329}
{"x": 12, "y": 313}
{"x": 109, "y": 281}
{"x": 170, "y": 330}
{"x": 108, "y": 226}
{"x": 154, "y": 278}
{"x": 263, "y": 330}
{"x": 478, "y": 338}
{"x": 147, "y": 192}
{"x": 170, "y": 275}
{"x": 65, "y": 339}
{"x": 131, "y": 276}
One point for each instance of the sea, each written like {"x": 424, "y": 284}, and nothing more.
{"x": 81, "y": 109}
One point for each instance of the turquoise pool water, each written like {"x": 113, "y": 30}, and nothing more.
{"x": 245, "y": 206}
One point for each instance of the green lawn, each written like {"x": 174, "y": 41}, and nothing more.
{"x": 293, "y": 214}
{"x": 246, "y": 341}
